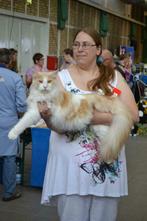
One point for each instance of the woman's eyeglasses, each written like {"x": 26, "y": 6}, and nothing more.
{"x": 84, "y": 45}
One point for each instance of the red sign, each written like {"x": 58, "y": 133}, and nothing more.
{"x": 52, "y": 63}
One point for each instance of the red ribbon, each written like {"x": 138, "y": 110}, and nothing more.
{"x": 116, "y": 91}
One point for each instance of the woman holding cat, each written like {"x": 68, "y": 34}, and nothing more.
{"x": 86, "y": 189}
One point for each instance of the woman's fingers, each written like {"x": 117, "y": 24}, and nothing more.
{"x": 43, "y": 109}
{"x": 42, "y": 106}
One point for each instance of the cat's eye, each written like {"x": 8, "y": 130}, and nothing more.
{"x": 49, "y": 81}
{"x": 40, "y": 81}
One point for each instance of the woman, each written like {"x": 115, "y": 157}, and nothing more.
{"x": 86, "y": 189}
{"x": 67, "y": 58}
{"x": 38, "y": 66}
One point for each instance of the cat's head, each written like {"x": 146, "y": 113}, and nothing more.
{"x": 44, "y": 81}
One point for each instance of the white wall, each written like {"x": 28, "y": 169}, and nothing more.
{"x": 27, "y": 36}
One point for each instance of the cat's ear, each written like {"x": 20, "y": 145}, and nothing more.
{"x": 53, "y": 74}
{"x": 48, "y": 73}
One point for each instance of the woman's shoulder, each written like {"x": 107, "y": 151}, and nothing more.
{"x": 114, "y": 81}
{"x": 123, "y": 86}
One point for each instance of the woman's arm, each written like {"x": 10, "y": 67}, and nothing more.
{"x": 101, "y": 118}
{"x": 45, "y": 115}
{"x": 127, "y": 97}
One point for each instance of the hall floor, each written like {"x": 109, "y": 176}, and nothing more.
{"x": 133, "y": 207}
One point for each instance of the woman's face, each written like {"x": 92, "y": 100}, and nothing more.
{"x": 67, "y": 58}
{"x": 40, "y": 62}
{"x": 84, "y": 49}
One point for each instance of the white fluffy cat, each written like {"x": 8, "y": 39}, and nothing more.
{"x": 72, "y": 112}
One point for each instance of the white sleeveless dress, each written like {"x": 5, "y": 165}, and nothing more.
{"x": 73, "y": 167}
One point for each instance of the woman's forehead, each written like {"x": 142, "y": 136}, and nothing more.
{"x": 82, "y": 36}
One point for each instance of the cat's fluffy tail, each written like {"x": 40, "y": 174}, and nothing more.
{"x": 117, "y": 135}
{"x": 118, "y": 132}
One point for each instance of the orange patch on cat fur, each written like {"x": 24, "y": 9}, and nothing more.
{"x": 81, "y": 111}
{"x": 64, "y": 99}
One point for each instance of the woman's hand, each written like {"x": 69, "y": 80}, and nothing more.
{"x": 101, "y": 118}
{"x": 44, "y": 111}
{"x": 46, "y": 114}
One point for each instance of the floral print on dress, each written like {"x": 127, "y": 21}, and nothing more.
{"x": 88, "y": 158}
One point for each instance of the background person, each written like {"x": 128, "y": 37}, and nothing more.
{"x": 67, "y": 58}
{"x": 38, "y": 66}
{"x": 86, "y": 189}
{"x": 12, "y": 102}
{"x": 126, "y": 63}
{"x": 108, "y": 60}
{"x": 13, "y": 59}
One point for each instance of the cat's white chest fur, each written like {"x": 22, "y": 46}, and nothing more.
{"x": 36, "y": 96}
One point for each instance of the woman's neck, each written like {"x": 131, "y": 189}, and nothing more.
{"x": 89, "y": 72}
{"x": 82, "y": 76}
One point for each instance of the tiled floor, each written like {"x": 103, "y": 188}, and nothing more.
{"x": 133, "y": 207}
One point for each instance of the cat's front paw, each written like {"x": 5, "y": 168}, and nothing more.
{"x": 12, "y": 135}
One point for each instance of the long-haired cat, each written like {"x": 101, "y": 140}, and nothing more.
{"x": 72, "y": 112}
